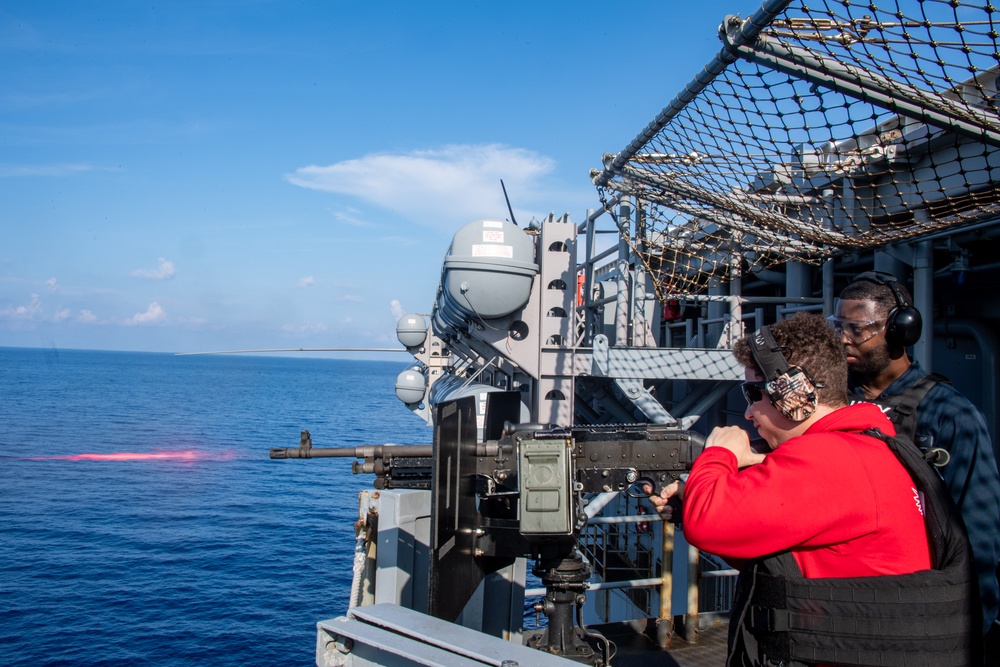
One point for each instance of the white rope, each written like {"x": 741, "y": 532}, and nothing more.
{"x": 360, "y": 550}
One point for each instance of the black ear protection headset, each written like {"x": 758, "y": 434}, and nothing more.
{"x": 789, "y": 388}
{"x": 903, "y": 323}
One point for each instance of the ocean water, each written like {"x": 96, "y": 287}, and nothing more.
{"x": 142, "y": 522}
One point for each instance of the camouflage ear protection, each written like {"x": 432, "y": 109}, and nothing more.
{"x": 903, "y": 323}
{"x": 789, "y": 388}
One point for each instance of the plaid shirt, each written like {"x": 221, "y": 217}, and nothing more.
{"x": 948, "y": 420}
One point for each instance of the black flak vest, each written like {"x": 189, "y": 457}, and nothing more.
{"x": 903, "y": 407}
{"x": 924, "y": 619}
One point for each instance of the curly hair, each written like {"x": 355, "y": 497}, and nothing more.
{"x": 806, "y": 340}
{"x": 865, "y": 289}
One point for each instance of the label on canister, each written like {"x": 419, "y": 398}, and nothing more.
{"x": 504, "y": 251}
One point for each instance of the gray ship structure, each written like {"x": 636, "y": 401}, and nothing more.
{"x": 566, "y": 364}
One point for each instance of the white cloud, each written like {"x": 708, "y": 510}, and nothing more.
{"x": 441, "y": 188}
{"x": 86, "y": 317}
{"x": 52, "y": 283}
{"x": 164, "y": 271}
{"x": 27, "y": 316}
{"x": 397, "y": 308}
{"x": 154, "y": 315}
{"x": 32, "y": 312}
{"x": 354, "y": 298}
{"x": 307, "y": 281}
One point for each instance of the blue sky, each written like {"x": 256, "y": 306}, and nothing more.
{"x": 191, "y": 176}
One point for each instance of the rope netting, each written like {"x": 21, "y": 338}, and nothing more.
{"x": 840, "y": 126}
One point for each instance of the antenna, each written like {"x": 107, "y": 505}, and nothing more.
{"x": 508, "y": 202}
{"x": 299, "y": 349}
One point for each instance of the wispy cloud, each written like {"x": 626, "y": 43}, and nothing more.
{"x": 27, "y": 316}
{"x": 53, "y": 284}
{"x": 441, "y": 188}
{"x": 400, "y": 240}
{"x": 194, "y": 322}
{"x": 164, "y": 271}
{"x": 47, "y": 99}
{"x": 396, "y": 308}
{"x": 32, "y": 312}
{"x": 304, "y": 329}
{"x": 307, "y": 281}
{"x": 353, "y": 298}
{"x": 154, "y": 315}
{"x": 351, "y": 217}
{"x": 14, "y": 170}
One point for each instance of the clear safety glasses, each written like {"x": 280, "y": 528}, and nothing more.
{"x": 858, "y": 331}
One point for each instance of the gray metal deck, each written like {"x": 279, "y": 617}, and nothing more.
{"x": 386, "y": 635}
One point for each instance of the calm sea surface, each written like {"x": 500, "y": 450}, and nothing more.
{"x": 207, "y": 552}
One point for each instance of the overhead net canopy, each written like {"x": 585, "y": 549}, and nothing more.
{"x": 818, "y": 129}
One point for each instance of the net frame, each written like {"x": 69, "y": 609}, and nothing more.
{"x": 820, "y": 129}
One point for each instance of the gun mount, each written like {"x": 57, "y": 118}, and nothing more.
{"x": 520, "y": 495}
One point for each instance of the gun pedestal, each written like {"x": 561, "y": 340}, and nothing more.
{"x": 565, "y": 581}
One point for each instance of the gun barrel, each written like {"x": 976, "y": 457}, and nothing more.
{"x": 362, "y": 452}
{"x": 310, "y": 453}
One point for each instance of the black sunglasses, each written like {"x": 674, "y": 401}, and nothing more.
{"x": 753, "y": 391}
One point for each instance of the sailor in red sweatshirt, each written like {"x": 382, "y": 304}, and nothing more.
{"x": 837, "y": 500}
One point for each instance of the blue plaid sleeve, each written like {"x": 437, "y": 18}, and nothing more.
{"x": 953, "y": 423}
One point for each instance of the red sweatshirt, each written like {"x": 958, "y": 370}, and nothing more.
{"x": 839, "y": 500}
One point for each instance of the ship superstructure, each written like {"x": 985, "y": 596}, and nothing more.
{"x": 820, "y": 142}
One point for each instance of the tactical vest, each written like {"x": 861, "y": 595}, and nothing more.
{"x": 903, "y": 407}
{"x": 929, "y": 618}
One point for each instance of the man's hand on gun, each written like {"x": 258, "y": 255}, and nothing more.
{"x": 668, "y": 502}
{"x": 733, "y": 438}
{"x": 737, "y": 441}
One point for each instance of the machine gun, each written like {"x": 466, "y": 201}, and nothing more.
{"x": 604, "y": 458}
{"x": 519, "y": 494}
